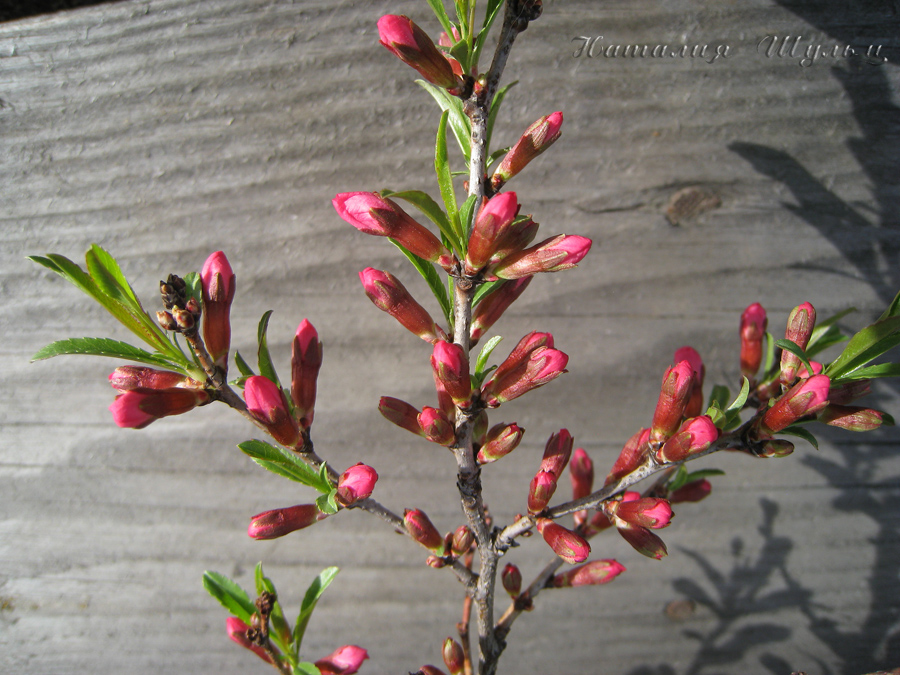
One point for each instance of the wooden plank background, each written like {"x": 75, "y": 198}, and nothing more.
{"x": 164, "y": 130}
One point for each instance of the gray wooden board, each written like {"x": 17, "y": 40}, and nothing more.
{"x": 166, "y": 130}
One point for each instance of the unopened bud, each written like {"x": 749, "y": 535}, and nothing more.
{"x": 593, "y": 573}
{"x": 422, "y": 530}
{"x": 454, "y": 658}
{"x": 462, "y": 540}
{"x": 566, "y": 544}
{"x": 501, "y": 440}
{"x": 801, "y": 323}
{"x": 511, "y": 578}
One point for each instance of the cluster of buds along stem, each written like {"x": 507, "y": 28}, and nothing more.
{"x": 147, "y": 394}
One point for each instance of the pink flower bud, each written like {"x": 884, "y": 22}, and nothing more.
{"x": 436, "y": 427}
{"x": 492, "y": 306}
{"x": 691, "y": 492}
{"x": 561, "y": 252}
{"x": 807, "y": 397}
{"x": 800, "y": 326}
{"x": 677, "y": 385}
{"x": 237, "y": 631}
{"x": 854, "y": 418}
{"x": 529, "y": 366}
{"x": 537, "y": 138}
{"x": 137, "y": 408}
{"x": 451, "y": 370}
{"x": 511, "y": 578}
{"x": 582, "y": 473}
{"x": 413, "y": 46}
{"x": 462, "y": 540}
{"x": 279, "y": 522}
{"x": 400, "y": 413}
{"x": 694, "y": 437}
{"x": 267, "y": 403}
{"x": 494, "y": 218}
{"x": 643, "y": 541}
{"x": 356, "y": 483}
{"x": 753, "y": 330}
{"x": 217, "y": 282}
{"x": 501, "y": 440}
{"x": 565, "y": 543}
{"x": 695, "y": 402}
{"x": 372, "y": 214}
{"x": 306, "y": 359}
{"x": 557, "y": 453}
{"x": 129, "y": 378}
{"x": 593, "y": 573}
{"x": 345, "y": 660}
{"x": 632, "y": 456}
{"x": 541, "y": 490}
{"x": 520, "y": 233}
{"x": 647, "y": 512}
{"x": 421, "y": 529}
{"x": 454, "y": 657}
{"x": 389, "y": 295}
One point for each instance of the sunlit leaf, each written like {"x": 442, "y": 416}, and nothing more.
{"x": 230, "y": 595}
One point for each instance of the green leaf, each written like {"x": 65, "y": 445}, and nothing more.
{"x": 242, "y": 365}
{"x": 430, "y": 208}
{"x": 194, "y": 286}
{"x": 770, "y": 354}
{"x": 327, "y": 503}
{"x": 445, "y": 180}
{"x": 796, "y": 350}
{"x": 264, "y": 360}
{"x": 867, "y": 345}
{"x": 493, "y": 10}
{"x": 284, "y": 464}
{"x": 459, "y": 122}
{"x": 466, "y": 217}
{"x": 495, "y": 109}
{"x": 306, "y": 668}
{"x": 678, "y": 480}
{"x": 719, "y": 396}
{"x": 873, "y": 372}
{"x": 485, "y": 353}
{"x": 107, "y": 347}
{"x": 703, "y": 473}
{"x": 893, "y": 309}
{"x": 830, "y": 336}
{"x": 738, "y": 404}
{"x": 795, "y": 430}
{"x": 431, "y": 276}
{"x": 104, "y": 269}
{"x": 486, "y": 289}
{"x": 313, "y": 593}
{"x": 230, "y": 595}
{"x": 437, "y": 6}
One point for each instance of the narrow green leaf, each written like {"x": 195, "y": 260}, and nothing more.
{"x": 459, "y": 122}
{"x": 306, "y": 668}
{"x": 794, "y": 348}
{"x": 485, "y": 353}
{"x": 466, "y": 218}
{"x": 442, "y": 168}
{"x": 486, "y": 289}
{"x": 313, "y": 593}
{"x": 242, "y": 365}
{"x": 284, "y": 463}
{"x": 230, "y": 595}
{"x": 830, "y": 336}
{"x": 800, "y": 432}
{"x": 107, "y": 347}
{"x": 770, "y": 354}
{"x": 109, "y": 277}
{"x": 437, "y": 6}
{"x": 497, "y": 154}
{"x": 874, "y": 372}
{"x": 678, "y": 480}
{"x": 893, "y": 309}
{"x": 741, "y": 399}
{"x": 703, "y": 473}
{"x": 495, "y": 109}
{"x": 493, "y": 10}
{"x": 867, "y": 345}
{"x": 432, "y": 211}
{"x": 264, "y": 360}
{"x": 431, "y": 276}
{"x": 258, "y": 578}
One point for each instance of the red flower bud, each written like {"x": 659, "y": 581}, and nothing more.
{"x": 356, "y": 483}
{"x": 643, "y": 541}
{"x": 537, "y": 138}
{"x": 691, "y": 492}
{"x": 129, "y": 378}
{"x": 647, "y": 512}
{"x": 400, "y": 413}
{"x": 436, "y": 427}
{"x": 593, "y": 573}
{"x": 801, "y": 323}
{"x": 494, "y": 218}
{"x": 511, "y": 578}
{"x": 462, "y": 540}
{"x": 372, "y": 214}
{"x": 557, "y": 453}
{"x": 345, "y": 660}
{"x": 422, "y": 530}
{"x": 753, "y": 330}
{"x": 492, "y": 306}
{"x": 854, "y": 418}
{"x": 677, "y": 385}
{"x": 807, "y": 397}
{"x": 389, "y": 295}
{"x": 237, "y": 631}
{"x": 541, "y": 490}
{"x": 217, "y": 283}
{"x": 561, "y": 252}
{"x": 632, "y": 456}
{"x": 529, "y": 366}
{"x": 501, "y": 440}
{"x": 695, "y": 402}
{"x": 413, "y": 46}
{"x": 306, "y": 359}
{"x": 582, "y": 474}
{"x": 137, "y": 408}
{"x": 454, "y": 658}
{"x": 565, "y": 543}
{"x": 267, "y": 403}
{"x": 451, "y": 370}
{"x": 279, "y": 522}
{"x": 694, "y": 437}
